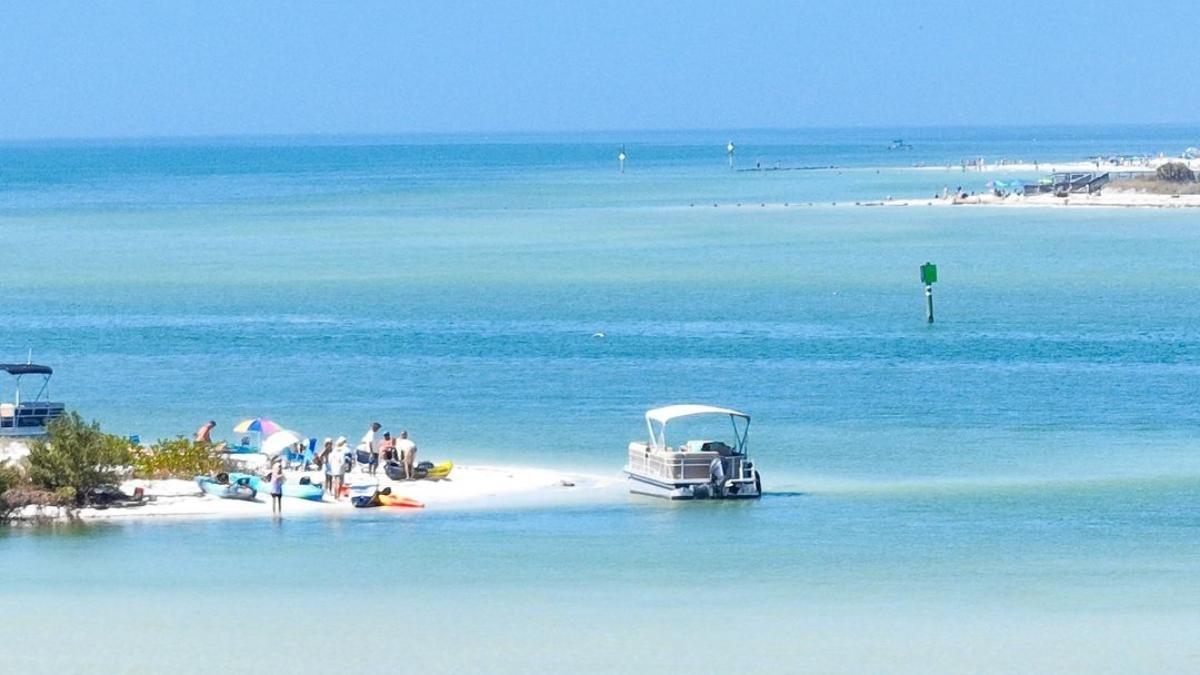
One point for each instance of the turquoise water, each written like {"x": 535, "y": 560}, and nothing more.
{"x": 1012, "y": 489}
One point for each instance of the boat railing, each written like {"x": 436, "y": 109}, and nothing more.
{"x": 681, "y": 466}
{"x": 28, "y": 418}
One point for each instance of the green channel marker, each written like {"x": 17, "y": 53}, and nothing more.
{"x": 929, "y": 278}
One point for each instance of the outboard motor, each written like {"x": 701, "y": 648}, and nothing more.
{"x": 716, "y": 476}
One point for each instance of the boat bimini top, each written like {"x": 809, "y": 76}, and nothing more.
{"x": 657, "y": 419}
{"x": 18, "y": 370}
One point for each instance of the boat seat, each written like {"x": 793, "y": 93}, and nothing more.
{"x": 718, "y": 447}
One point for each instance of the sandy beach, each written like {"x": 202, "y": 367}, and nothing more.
{"x": 1052, "y": 167}
{"x": 1124, "y": 165}
{"x": 468, "y": 487}
{"x": 1105, "y": 199}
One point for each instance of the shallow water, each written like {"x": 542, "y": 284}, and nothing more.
{"x": 1010, "y": 489}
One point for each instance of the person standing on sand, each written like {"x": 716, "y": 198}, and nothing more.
{"x": 326, "y": 460}
{"x": 337, "y": 466}
{"x": 276, "y": 479}
{"x": 407, "y": 450}
{"x": 371, "y": 442}
{"x": 204, "y": 433}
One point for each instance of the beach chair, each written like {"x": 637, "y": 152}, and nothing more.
{"x": 293, "y": 459}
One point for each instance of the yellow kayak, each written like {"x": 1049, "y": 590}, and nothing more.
{"x": 439, "y": 471}
{"x": 422, "y": 471}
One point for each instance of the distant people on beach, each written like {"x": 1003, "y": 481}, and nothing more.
{"x": 335, "y": 466}
{"x": 204, "y": 433}
{"x": 343, "y": 453}
{"x": 370, "y": 443}
{"x": 324, "y": 460}
{"x": 276, "y": 480}
{"x": 387, "y": 447}
{"x": 407, "y": 451}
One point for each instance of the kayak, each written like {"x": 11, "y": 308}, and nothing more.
{"x": 439, "y": 471}
{"x": 244, "y": 449}
{"x": 399, "y": 500}
{"x": 230, "y": 490}
{"x": 311, "y": 491}
{"x": 422, "y": 471}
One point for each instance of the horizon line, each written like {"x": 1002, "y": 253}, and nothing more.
{"x": 27, "y": 140}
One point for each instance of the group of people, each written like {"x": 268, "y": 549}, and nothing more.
{"x": 336, "y": 457}
{"x": 379, "y": 445}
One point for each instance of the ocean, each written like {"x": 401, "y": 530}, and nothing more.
{"x": 1010, "y": 489}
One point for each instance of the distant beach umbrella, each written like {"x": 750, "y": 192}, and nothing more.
{"x": 260, "y": 425}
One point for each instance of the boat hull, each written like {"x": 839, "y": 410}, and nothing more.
{"x": 651, "y": 487}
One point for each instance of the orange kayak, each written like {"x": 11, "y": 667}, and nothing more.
{"x": 399, "y": 500}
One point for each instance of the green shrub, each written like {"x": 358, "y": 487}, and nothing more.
{"x": 177, "y": 458}
{"x": 74, "y": 457}
{"x": 1175, "y": 172}
{"x": 11, "y": 481}
{"x": 10, "y": 477}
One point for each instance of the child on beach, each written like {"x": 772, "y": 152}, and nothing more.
{"x": 276, "y": 479}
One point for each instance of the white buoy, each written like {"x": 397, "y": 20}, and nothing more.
{"x": 597, "y": 335}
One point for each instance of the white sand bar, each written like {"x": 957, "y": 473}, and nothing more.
{"x": 1107, "y": 199}
{"x": 467, "y": 487}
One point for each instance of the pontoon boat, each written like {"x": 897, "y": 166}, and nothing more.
{"x": 20, "y": 418}
{"x": 697, "y": 469}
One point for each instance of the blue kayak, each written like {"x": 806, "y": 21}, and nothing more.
{"x": 231, "y": 490}
{"x": 311, "y": 491}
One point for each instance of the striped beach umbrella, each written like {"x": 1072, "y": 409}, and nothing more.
{"x": 259, "y": 425}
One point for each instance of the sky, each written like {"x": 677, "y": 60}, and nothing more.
{"x": 180, "y": 68}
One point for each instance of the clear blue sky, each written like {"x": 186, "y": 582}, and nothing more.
{"x": 172, "y": 67}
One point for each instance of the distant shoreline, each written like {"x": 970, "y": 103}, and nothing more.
{"x": 1112, "y": 199}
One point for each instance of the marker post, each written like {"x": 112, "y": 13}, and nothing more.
{"x": 929, "y": 278}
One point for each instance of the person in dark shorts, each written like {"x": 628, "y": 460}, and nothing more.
{"x": 327, "y": 459}
{"x": 276, "y": 481}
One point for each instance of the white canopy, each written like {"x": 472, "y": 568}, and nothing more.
{"x": 278, "y": 441}
{"x": 668, "y": 413}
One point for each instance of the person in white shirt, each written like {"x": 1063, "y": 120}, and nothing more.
{"x": 408, "y": 453}
{"x": 371, "y": 441}
{"x": 336, "y": 464}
